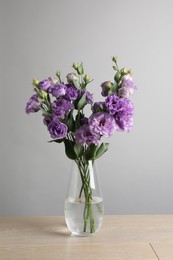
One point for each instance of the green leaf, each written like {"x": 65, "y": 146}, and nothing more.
{"x": 114, "y": 87}
{"x": 70, "y": 122}
{"x": 82, "y": 102}
{"x": 80, "y": 69}
{"x": 79, "y": 149}
{"x": 69, "y": 149}
{"x": 83, "y": 86}
{"x": 36, "y": 88}
{"x": 117, "y": 76}
{"x": 90, "y": 152}
{"x": 76, "y": 83}
{"x": 101, "y": 150}
{"x": 56, "y": 141}
{"x": 78, "y": 120}
{"x": 42, "y": 94}
{"x": 44, "y": 112}
{"x": 48, "y": 99}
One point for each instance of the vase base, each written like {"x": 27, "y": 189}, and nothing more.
{"x": 74, "y": 216}
{"x": 82, "y": 234}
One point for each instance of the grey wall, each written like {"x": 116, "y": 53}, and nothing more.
{"x": 37, "y": 38}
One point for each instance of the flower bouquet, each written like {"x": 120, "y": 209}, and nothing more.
{"x": 63, "y": 105}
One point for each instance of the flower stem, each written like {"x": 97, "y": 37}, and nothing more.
{"x": 87, "y": 191}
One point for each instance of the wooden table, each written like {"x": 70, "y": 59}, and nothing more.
{"x": 126, "y": 237}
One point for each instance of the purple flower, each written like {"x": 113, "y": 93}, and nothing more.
{"x": 84, "y": 120}
{"x": 45, "y": 84}
{"x": 57, "y": 129}
{"x": 123, "y": 92}
{"x": 102, "y": 123}
{"x": 122, "y": 111}
{"x": 106, "y": 86}
{"x": 33, "y": 104}
{"x": 99, "y": 107}
{"x": 84, "y": 136}
{"x": 89, "y": 97}
{"x": 112, "y": 102}
{"x": 46, "y": 119}
{"x": 58, "y": 90}
{"x": 127, "y": 87}
{"x": 71, "y": 92}
{"x": 61, "y": 107}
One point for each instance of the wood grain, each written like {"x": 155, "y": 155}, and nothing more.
{"x": 121, "y": 237}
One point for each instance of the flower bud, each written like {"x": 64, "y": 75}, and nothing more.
{"x": 80, "y": 69}
{"x": 75, "y": 66}
{"x": 124, "y": 71}
{"x": 130, "y": 72}
{"x": 115, "y": 59}
{"x": 35, "y": 82}
{"x": 71, "y": 77}
{"x": 108, "y": 84}
{"x": 114, "y": 67}
{"x": 86, "y": 78}
{"x": 54, "y": 80}
{"x": 58, "y": 74}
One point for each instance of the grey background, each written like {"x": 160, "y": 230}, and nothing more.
{"x": 37, "y": 38}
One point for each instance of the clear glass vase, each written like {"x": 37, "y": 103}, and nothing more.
{"x": 84, "y": 207}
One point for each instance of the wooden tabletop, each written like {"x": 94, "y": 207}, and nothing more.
{"x": 127, "y": 237}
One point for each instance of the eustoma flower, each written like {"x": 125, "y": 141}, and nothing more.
{"x": 71, "y": 92}
{"x": 45, "y": 84}
{"x": 127, "y": 87}
{"x": 57, "y": 129}
{"x": 122, "y": 111}
{"x": 103, "y": 124}
{"x": 58, "y": 90}
{"x": 84, "y": 136}
{"x": 58, "y": 102}
{"x": 61, "y": 107}
{"x": 33, "y": 104}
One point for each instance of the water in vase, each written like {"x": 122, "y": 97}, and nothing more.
{"x": 74, "y": 215}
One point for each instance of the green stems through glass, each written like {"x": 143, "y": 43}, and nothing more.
{"x": 86, "y": 190}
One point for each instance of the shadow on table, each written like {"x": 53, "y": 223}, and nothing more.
{"x": 51, "y": 226}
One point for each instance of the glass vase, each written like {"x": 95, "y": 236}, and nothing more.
{"x": 84, "y": 207}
